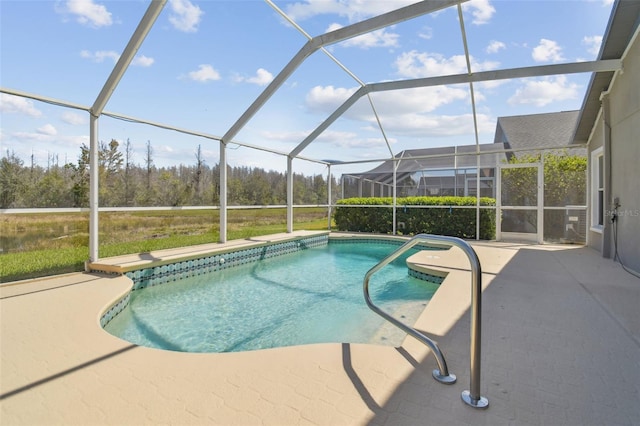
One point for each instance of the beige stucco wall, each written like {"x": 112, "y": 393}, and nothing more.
{"x": 624, "y": 113}
{"x": 625, "y": 155}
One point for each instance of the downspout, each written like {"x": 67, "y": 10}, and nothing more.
{"x": 607, "y": 239}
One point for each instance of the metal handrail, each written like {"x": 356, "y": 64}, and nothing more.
{"x": 471, "y": 397}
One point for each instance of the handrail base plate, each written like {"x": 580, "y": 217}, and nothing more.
{"x": 447, "y": 380}
{"x": 481, "y": 403}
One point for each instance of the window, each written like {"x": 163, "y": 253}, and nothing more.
{"x": 597, "y": 190}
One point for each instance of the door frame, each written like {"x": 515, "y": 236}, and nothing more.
{"x": 538, "y": 236}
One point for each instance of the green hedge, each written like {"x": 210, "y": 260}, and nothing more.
{"x": 452, "y": 221}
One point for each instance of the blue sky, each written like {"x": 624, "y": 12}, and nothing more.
{"x": 204, "y": 63}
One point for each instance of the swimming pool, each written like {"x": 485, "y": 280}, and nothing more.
{"x": 304, "y": 297}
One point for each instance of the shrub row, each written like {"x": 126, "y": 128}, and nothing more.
{"x": 414, "y": 218}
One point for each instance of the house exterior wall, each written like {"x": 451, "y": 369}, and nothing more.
{"x": 625, "y": 156}
{"x": 622, "y": 112}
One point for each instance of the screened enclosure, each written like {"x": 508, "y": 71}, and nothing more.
{"x": 366, "y": 131}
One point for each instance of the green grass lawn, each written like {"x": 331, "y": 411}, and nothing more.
{"x": 38, "y": 245}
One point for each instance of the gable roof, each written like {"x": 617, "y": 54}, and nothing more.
{"x": 441, "y": 158}
{"x": 536, "y": 130}
{"x": 625, "y": 17}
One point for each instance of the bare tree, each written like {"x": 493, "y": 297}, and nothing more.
{"x": 128, "y": 184}
{"x": 148, "y": 161}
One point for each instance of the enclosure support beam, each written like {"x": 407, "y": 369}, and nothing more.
{"x": 344, "y": 33}
{"x": 93, "y": 189}
{"x": 478, "y": 193}
{"x": 147, "y": 21}
{"x": 396, "y": 164}
{"x": 329, "y": 196}
{"x": 223, "y": 192}
{"x": 143, "y": 28}
{"x": 289, "y": 194}
{"x": 536, "y": 71}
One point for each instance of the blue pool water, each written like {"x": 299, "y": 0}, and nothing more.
{"x": 310, "y": 296}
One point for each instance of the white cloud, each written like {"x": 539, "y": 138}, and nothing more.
{"x": 547, "y": 50}
{"x": 305, "y": 10}
{"x": 420, "y": 100}
{"x": 544, "y": 91}
{"x": 425, "y": 125}
{"x": 495, "y": 46}
{"x": 284, "y": 136}
{"x": 426, "y": 33}
{"x": 205, "y": 73}
{"x": 336, "y": 138}
{"x": 352, "y": 10}
{"x": 351, "y": 140}
{"x": 327, "y": 99}
{"x": 262, "y": 78}
{"x": 100, "y": 55}
{"x": 402, "y": 111}
{"x": 186, "y": 16}
{"x": 89, "y": 13}
{"x": 416, "y": 64}
{"x": 16, "y": 104}
{"x": 48, "y": 130}
{"x": 491, "y": 84}
{"x": 32, "y": 136}
{"x": 593, "y": 44}
{"x": 73, "y": 118}
{"x": 142, "y": 61}
{"x": 481, "y": 10}
{"x": 378, "y": 38}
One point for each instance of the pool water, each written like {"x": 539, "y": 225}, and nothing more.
{"x": 310, "y": 296}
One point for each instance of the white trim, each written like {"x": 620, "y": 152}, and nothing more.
{"x": 597, "y": 229}
{"x": 595, "y": 189}
{"x": 595, "y": 125}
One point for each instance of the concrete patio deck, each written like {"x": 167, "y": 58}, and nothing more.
{"x": 561, "y": 345}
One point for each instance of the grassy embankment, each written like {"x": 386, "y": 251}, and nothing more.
{"x": 38, "y": 245}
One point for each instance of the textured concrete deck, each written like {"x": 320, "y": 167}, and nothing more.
{"x": 561, "y": 344}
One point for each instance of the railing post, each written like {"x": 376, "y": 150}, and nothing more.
{"x": 472, "y": 396}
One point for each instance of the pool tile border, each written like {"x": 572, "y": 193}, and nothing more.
{"x": 176, "y": 271}
{"x": 149, "y": 277}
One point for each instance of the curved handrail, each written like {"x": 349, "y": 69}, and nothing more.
{"x": 471, "y": 397}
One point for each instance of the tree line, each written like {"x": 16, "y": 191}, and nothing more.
{"x": 124, "y": 183}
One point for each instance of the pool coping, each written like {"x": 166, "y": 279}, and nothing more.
{"x": 132, "y": 262}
